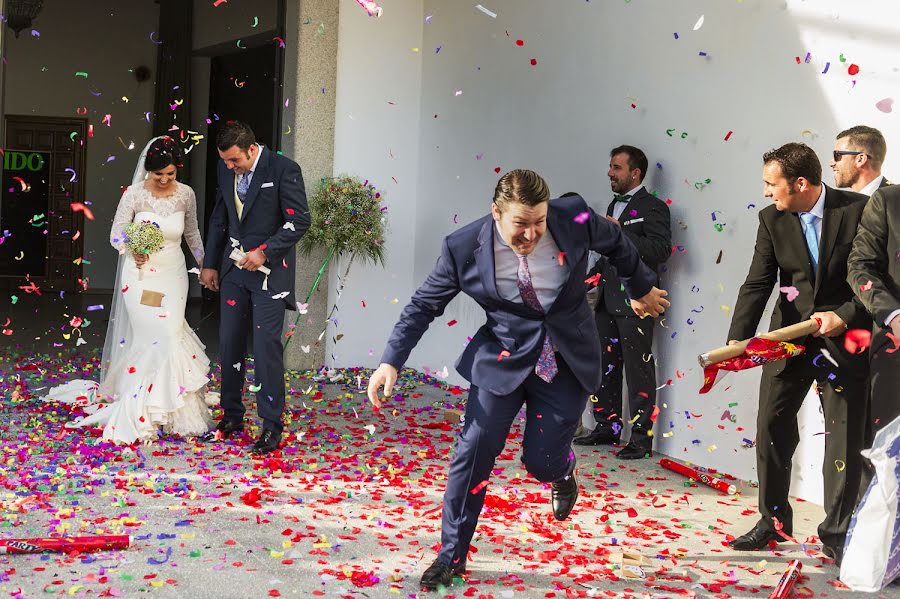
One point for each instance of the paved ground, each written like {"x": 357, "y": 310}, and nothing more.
{"x": 350, "y": 507}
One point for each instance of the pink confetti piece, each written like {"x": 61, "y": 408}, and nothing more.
{"x": 582, "y": 218}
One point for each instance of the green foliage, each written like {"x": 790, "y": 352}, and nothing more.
{"x": 349, "y": 215}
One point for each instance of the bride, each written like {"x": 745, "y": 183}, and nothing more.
{"x": 154, "y": 368}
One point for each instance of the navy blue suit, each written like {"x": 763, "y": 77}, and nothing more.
{"x": 500, "y": 387}
{"x": 274, "y": 218}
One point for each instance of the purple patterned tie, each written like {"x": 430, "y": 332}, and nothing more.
{"x": 546, "y": 367}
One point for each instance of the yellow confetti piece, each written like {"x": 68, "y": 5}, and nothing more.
{"x": 725, "y": 309}
{"x": 395, "y": 301}
{"x": 840, "y": 465}
{"x": 277, "y": 553}
{"x": 668, "y": 434}
{"x": 711, "y": 448}
{"x": 286, "y": 544}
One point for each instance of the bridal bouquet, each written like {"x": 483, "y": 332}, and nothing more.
{"x": 144, "y": 237}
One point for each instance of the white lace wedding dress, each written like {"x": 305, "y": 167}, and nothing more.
{"x": 158, "y": 375}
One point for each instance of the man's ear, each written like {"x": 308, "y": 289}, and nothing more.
{"x": 495, "y": 211}
{"x": 802, "y": 184}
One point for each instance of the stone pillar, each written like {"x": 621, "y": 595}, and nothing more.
{"x": 311, "y": 30}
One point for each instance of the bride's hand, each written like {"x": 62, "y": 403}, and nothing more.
{"x": 140, "y": 259}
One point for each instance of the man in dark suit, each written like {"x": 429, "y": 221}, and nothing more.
{"x": 261, "y": 210}
{"x": 874, "y": 275}
{"x": 857, "y": 158}
{"x": 803, "y": 241}
{"x": 525, "y": 264}
{"x": 626, "y": 340}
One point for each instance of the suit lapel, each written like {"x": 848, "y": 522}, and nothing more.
{"x": 484, "y": 258}
{"x": 226, "y": 184}
{"x": 831, "y": 226}
{"x": 259, "y": 176}
{"x": 553, "y": 225}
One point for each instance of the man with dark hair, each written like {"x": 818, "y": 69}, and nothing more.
{"x": 524, "y": 264}
{"x": 261, "y": 211}
{"x": 803, "y": 242}
{"x": 626, "y": 340}
{"x": 857, "y": 158}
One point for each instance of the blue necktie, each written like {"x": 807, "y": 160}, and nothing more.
{"x": 243, "y": 186}
{"x": 812, "y": 241}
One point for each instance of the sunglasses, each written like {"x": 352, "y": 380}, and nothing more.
{"x": 838, "y": 153}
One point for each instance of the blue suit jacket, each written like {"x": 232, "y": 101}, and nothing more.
{"x": 467, "y": 264}
{"x": 276, "y": 197}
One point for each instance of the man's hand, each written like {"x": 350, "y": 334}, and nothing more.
{"x": 385, "y": 375}
{"x": 140, "y": 259}
{"x": 253, "y": 260}
{"x": 614, "y": 221}
{"x": 832, "y": 324}
{"x": 895, "y": 327}
{"x": 653, "y": 304}
{"x": 209, "y": 278}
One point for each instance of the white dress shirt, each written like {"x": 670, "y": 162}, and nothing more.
{"x": 819, "y": 211}
{"x": 619, "y": 207}
{"x": 872, "y": 186}
{"x": 547, "y": 276}
{"x": 249, "y": 174}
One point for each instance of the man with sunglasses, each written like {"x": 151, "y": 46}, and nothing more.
{"x": 857, "y": 158}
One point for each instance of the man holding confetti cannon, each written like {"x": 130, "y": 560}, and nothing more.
{"x": 525, "y": 264}
{"x": 803, "y": 242}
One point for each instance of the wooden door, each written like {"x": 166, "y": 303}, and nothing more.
{"x": 43, "y": 176}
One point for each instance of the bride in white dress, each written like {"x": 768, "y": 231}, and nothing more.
{"x": 154, "y": 368}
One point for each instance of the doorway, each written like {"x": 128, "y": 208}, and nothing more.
{"x": 42, "y": 204}
{"x": 243, "y": 86}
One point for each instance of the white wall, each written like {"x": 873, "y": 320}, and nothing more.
{"x": 105, "y": 39}
{"x": 379, "y": 83}
{"x": 561, "y": 117}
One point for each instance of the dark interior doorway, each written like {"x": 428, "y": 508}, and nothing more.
{"x": 243, "y": 86}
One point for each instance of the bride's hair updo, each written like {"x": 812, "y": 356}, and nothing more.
{"x": 162, "y": 153}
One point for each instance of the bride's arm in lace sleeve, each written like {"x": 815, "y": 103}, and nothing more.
{"x": 124, "y": 217}
{"x": 191, "y": 228}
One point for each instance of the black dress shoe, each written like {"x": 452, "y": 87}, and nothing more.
{"x": 635, "y": 451}
{"x": 758, "y": 538}
{"x": 223, "y": 430}
{"x": 267, "y": 443}
{"x": 597, "y": 437}
{"x": 563, "y": 496}
{"x": 440, "y": 574}
{"x": 833, "y": 553}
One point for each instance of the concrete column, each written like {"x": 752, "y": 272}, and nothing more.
{"x": 310, "y": 73}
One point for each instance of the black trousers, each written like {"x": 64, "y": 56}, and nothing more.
{"x": 627, "y": 347}
{"x": 843, "y": 402}
{"x": 246, "y": 306}
{"x": 884, "y": 404}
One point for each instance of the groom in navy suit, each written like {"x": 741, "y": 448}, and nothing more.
{"x": 261, "y": 211}
{"x": 525, "y": 264}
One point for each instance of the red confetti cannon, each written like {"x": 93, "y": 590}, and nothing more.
{"x": 786, "y": 584}
{"x": 706, "y": 479}
{"x": 65, "y": 544}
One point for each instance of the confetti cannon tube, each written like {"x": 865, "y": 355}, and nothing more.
{"x": 720, "y": 354}
{"x": 788, "y": 579}
{"x": 64, "y": 544}
{"x": 706, "y": 479}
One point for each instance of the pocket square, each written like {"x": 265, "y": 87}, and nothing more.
{"x": 268, "y": 184}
